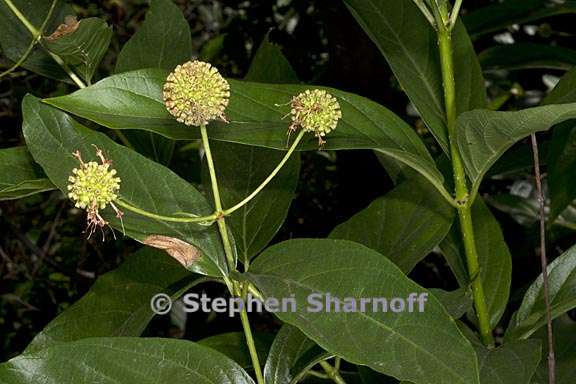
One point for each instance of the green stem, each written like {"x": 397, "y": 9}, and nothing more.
{"x": 196, "y": 219}
{"x": 250, "y": 341}
{"x": 35, "y": 37}
{"x": 36, "y": 34}
{"x": 454, "y": 13}
{"x": 332, "y": 373}
{"x": 269, "y": 178}
{"x": 461, "y": 188}
{"x": 217, "y": 200}
{"x": 240, "y": 291}
{"x": 122, "y": 137}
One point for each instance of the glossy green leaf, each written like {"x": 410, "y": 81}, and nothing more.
{"x": 526, "y": 56}
{"x": 564, "y": 351}
{"x": 513, "y": 362}
{"x": 493, "y": 256}
{"x": 409, "y": 44}
{"x": 500, "y": 15}
{"x": 118, "y": 304}
{"x": 483, "y": 136}
{"x": 290, "y": 356}
{"x": 15, "y": 38}
{"x": 565, "y": 90}
{"x": 124, "y": 360}
{"x": 532, "y": 315}
{"x": 165, "y": 32}
{"x": 422, "y": 347}
{"x": 133, "y": 100}
{"x": 404, "y": 225}
{"x": 241, "y": 169}
{"x": 84, "y": 48}
{"x": 162, "y": 41}
{"x": 52, "y": 136}
{"x": 20, "y": 176}
{"x": 233, "y": 345}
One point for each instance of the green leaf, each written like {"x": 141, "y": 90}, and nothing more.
{"x": 532, "y": 314}
{"x": 124, "y": 360}
{"x": 483, "y": 136}
{"x": 565, "y": 352}
{"x": 290, "y": 356}
{"x": 565, "y": 90}
{"x": 513, "y": 362}
{"x": 241, "y": 169}
{"x": 493, "y": 256}
{"x": 84, "y": 48}
{"x": 52, "y": 136}
{"x": 165, "y": 33}
{"x": 500, "y": 15}
{"x": 133, "y": 100}
{"x": 526, "y": 56}
{"x": 456, "y": 302}
{"x": 20, "y": 176}
{"x": 162, "y": 41}
{"x": 404, "y": 225}
{"x": 561, "y": 168}
{"x": 409, "y": 44}
{"x": 422, "y": 347}
{"x": 118, "y": 304}
{"x": 233, "y": 345}
{"x": 15, "y": 38}
{"x": 269, "y": 65}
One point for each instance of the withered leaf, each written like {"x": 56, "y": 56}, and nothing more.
{"x": 185, "y": 253}
{"x": 70, "y": 25}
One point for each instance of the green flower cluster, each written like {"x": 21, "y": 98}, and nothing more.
{"x": 315, "y": 111}
{"x": 196, "y": 93}
{"x": 93, "y": 185}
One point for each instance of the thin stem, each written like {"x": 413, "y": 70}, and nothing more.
{"x": 544, "y": 262}
{"x": 197, "y": 219}
{"x": 21, "y": 60}
{"x": 454, "y": 13}
{"x": 217, "y": 200}
{"x": 241, "y": 291}
{"x": 122, "y": 137}
{"x": 67, "y": 69}
{"x": 269, "y": 178}
{"x": 250, "y": 341}
{"x": 461, "y": 188}
{"x": 35, "y": 37}
{"x": 332, "y": 373}
{"x": 425, "y": 11}
{"x": 35, "y": 33}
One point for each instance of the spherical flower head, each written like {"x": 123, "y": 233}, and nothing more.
{"x": 196, "y": 93}
{"x": 94, "y": 186}
{"x": 315, "y": 111}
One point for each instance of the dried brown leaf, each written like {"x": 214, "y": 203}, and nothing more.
{"x": 70, "y": 25}
{"x": 185, "y": 253}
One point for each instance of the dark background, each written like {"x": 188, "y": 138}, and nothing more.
{"x": 45, "y": 261}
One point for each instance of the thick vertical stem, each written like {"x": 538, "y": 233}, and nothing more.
{"x": 235, "y": 289}
{"x": 461, "y": 188}
{"x": 544, "y": 263}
